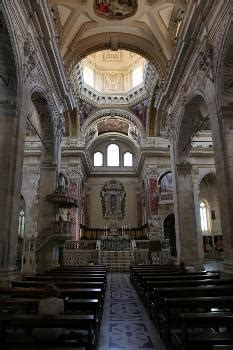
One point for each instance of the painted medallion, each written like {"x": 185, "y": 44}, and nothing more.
{"x": 115, "y": 9}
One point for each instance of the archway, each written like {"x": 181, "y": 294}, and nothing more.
{"x": 194, "y": 118}
{"x": 170, "y": 232}
{"x": 210, "y": 222}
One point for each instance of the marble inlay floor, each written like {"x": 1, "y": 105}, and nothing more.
{"x": 125, "y": 323}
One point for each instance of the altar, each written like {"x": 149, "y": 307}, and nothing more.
{"x": 114, "y": 242}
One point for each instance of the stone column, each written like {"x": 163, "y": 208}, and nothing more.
{"x": 11, "y": 159}
{"x": 222, "y": 130}
{"x": 47, "y": 185}
{"x": 30, "y": 193}
{"x": 185, "y": 215}
{"x": 46, "y": 217}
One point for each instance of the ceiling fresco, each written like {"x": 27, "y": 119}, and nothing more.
{"x": 85, "y": 110}
{"x": 113, "y": 125}
{"x": 141, "y": 111}
{"x": 115, "y": 9}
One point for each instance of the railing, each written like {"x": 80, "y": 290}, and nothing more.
{"x": 62, "y": 229}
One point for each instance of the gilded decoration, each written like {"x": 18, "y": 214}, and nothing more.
{"x": 113, "y": 200}
{"x": 115, "y": 9}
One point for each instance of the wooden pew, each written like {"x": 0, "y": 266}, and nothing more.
{"x": 170, "y": 308}
{"x": 144, "y": 280}
{"x": 28, "y": 322}
{"x": 182, "y": 292}
{"x": 60, "y": 284}
{"x": 152, "y": 285}
{"x": 30, "y": 306}
{"x": 188, "y": 340}
{"x": 153, "y": 269}
{"x": 75, "y": 278}
{"x": 138, "y": 274}
{"x": 73, "y": 293}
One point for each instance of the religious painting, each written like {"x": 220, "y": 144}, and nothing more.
{"x": 113, "y": 125}
{"x": 141, "y": 111}
{"x": 84, "y": 110}
{"x": 115, "y": 9}
{"x": 113, "y": 199}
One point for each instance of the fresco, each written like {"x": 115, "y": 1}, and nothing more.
{"x": 115, "y": 9}
{"x": 113, "y": 124}
{"x": 84, "y": 110}
{"x": 141, "y": 111}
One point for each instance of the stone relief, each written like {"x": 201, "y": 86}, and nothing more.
{"x": 135, "y": 135}
{"x": 113, "y": 82}
{"x": 75, "y": 172}
{"x": 150, "y": 170}
{"x": 228, "y": 86}
{"x": 90, "y": 135}
{"x": 170, "y": 126}
{"x": 205, "y": 57}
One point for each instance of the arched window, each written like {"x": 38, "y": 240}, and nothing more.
{"x": 166, "y": 182}
{"x": 128, "y": 159}
{"x": 21, "y": 227}
{"x": 98, "y": 159}
{"x": 88, "y": 76}
{"x": 113, "y": 155}
{"x": 204, "y": 217}
{"x": 137, "y": 76}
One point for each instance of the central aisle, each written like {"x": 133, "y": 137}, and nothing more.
{"x": 125, "y": 323}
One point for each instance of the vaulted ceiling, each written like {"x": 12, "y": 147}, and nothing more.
{"x": 150, "y": 30}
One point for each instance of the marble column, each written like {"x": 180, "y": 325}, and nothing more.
{"x": 185, "y": 215}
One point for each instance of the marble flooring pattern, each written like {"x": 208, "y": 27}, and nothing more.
{"x": 125, "y": 323}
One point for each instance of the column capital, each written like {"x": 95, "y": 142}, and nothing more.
{"x": 184, "y": 168}
{"x": 75, "y": 171}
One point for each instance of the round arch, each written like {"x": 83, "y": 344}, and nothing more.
{"x": 125, "y": 41}
{"x": 45, "y": 117}
{"x": 129, "y": 116}
{"x": 193, "y": 114}
{"x": 169, "y": 232}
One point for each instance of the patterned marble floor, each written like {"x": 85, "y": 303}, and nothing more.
{"x": 125, "y": 323}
